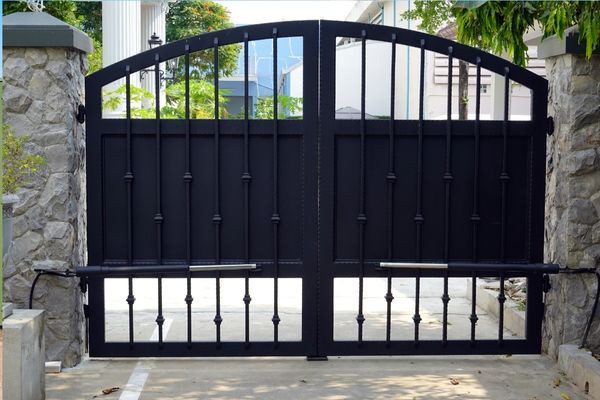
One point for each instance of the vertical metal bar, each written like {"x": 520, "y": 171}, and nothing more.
{"x": 475, "y": 218}
{"x": 246, "y": 178}
{"x": 391, "y": 179}
{"x": 504, "y": 178}
{"x": 160, "y": 320}
{"x": 275, "y": 218}
{"x": 501, "y": 300}
{"x": 473, "y": 317}
{"x": 447, "y": 178}
{"x": 419, "y": 219}
{"x": 217, "y": 200}
{"x": 129, "y": 182}
{"x": 128, "y": 177}
{"x": 362, "y": 218}
{"x": 158, "y": 218}
{"x": 130, "y": 301}
{"x": 187, "y": 179}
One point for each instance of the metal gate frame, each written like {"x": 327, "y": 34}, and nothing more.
{"x": 423, "y": 262}
{"x": 111, "y": 173}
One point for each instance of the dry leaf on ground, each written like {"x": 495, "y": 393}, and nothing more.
{"x": 108, "y": 391}
{"x": 454, "y": 381}
{"x": 556, "y": 382}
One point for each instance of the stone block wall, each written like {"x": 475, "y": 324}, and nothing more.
{"x": 42, "y": 89}
{"x": 572, "y": 234}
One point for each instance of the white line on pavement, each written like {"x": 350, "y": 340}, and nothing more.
{"x": 140, "y": 373}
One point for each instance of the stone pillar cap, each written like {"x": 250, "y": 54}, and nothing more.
{"x": 39, "y": 29}
{"x": 554, "y": 46}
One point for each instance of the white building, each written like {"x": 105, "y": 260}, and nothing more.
{"x": 378, "y": 61}
{"x": 126, "y": 28}
{"x": 378, "y": 74}
{"x": 388, "y": 12}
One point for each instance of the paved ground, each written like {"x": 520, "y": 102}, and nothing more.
{"x": 517, "y": 377}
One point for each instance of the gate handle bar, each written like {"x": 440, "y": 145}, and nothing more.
{"x": 145, "y": 269}
{"x": 458, "y": 266}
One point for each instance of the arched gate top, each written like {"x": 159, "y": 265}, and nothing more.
{"x": 328, "y": 30}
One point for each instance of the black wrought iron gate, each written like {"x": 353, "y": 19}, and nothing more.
{"x": 315, "y": 198}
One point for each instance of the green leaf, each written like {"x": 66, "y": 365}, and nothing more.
{"x": 469, "y": 3}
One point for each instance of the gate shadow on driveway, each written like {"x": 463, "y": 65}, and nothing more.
{"x": 475, "y": 377}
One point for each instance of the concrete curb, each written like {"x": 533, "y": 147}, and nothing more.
{"x": 7, "y": 310}
{"x": 23, "y": 356}
{"x": 581, "y": 368}
{"x": 514, "y": 320}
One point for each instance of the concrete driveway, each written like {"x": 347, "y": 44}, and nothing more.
{"x": 475, "y": 377}
{"x": 461, "y": 377}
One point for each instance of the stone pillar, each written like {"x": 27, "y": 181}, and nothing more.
{"x": 572, "y": 234}
{"x": 45, "y": 63}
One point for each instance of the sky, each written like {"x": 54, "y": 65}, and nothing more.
{"x": 245, "y": 12}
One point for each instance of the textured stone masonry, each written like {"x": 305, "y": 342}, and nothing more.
{"x": 572, "y": 234}
{"x": 42, "y": 88}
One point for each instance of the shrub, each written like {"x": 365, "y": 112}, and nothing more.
{"x": 18, "y": 165}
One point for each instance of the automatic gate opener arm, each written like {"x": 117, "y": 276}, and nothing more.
{"x": 221, "y": 267}
{"x": 157, "y": 269}
{"x": 457, "y": 266}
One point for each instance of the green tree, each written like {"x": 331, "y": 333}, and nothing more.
{"x": 202, "y": 101}
{"x": 192, "y": 17}
{"x": 285, "y": 105}
{"x": 185, "y": 18}
{"x": 499, "y": 26}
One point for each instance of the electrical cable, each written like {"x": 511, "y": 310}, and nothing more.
{"x": 63, "y": 274}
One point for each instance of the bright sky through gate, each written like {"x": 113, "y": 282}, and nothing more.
{"x": 244, "y": 12}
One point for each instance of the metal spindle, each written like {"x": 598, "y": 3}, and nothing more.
{"x": 160, "y": 320}
{"x": 391, "y": 179}
{"x": 417, "y": 316}
{"x": 246, "y": 178}
{"x": 501, "y": 300}
{"x": 128, "y": 177}
{"x": 130, "y": 300}
{"x": 275, "y": 218}
{"x": 473, "y": 317}
{"x": 475, "y": 218}
{"x": 158, "y": 218}
{"x": 504, "y": 178}
{"x": 217, "y": 200}
{"x": 362, "y": 218}
{"x": 447, "y": 178}
{"x": 419, "y": 219}
{"x": 187, "y": 179}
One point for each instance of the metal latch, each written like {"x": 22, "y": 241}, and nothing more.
{"x": 549, "y": 126}
{"x": 80, "y": 114}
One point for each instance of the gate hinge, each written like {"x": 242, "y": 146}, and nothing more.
{"x": 80, "y": 114}
{"x": 549, "y": 126}
{"x": 83, "y": 283}
{"x": 546, "y": 286}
